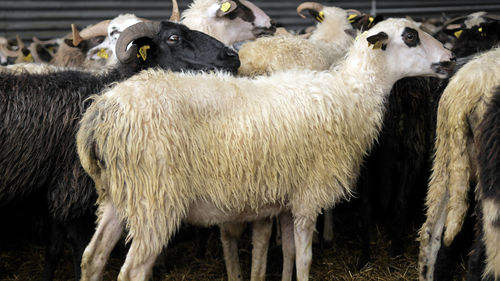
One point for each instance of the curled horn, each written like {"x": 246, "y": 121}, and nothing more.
{"x": 176, "y": 16}
{"x": 43, "y": 42}
{"x": 353, "y": 11}
{"x": 98, "y": 29}
{"x": 309, "y": 5}
{"x": 9, "y": 53}
{"x": 138, "y": 30}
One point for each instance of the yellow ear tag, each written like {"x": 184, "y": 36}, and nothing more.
{"x": 28, "y": 58}
{"x": 225, "y": 6}
{"x": 370, "y": 19}
{"x": 352, "y": 18}
{"x": 143, "y": 52}
{"x": 376, "y": 46}
{"x": 321, "y": 16}
{"x": 481, "y": 31}
{"x": 103, "y": 54}
{"x": 458, "y": 33}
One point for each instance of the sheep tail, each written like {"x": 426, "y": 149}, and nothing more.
{"x": 87, "y": 146}
{"x": 447, "y": 196}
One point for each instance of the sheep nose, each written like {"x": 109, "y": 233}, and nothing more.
{"x": 230, "y": 52}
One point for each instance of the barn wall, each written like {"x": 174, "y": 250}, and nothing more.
{"x": 52, "y": 18}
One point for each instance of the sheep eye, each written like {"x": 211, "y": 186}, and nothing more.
{"x": 410, "y": 37}
{"x": 172, "y": 39}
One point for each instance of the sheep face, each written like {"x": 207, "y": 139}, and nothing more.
{"x": 176, "y": 47}
{"x": 229, "y": 21}
{"x": 106, "y": 50}
{"x": 408, "y": 51}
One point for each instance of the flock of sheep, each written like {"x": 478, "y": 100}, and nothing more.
{"x": 141, "y": 126}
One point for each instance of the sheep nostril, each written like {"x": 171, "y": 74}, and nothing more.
{"x": 230, "y": 52}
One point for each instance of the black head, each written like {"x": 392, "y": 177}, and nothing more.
{"x": 476, "y": 39}
{"x": 173, "y": 46}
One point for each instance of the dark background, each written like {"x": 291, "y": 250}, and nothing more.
{"x": 48, "y": 19}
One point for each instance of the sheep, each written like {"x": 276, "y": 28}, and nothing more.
{"x": 488, "y": 157}
{"x": 40, "y": 112}
{"x": 229, "y": 21}
{"x": 245, "y": 149}
{"x": 287, "y": 52}
{"x": 327, "y": 44}
{"x": 105, "y": 50}
{"x": 460, "y": 110}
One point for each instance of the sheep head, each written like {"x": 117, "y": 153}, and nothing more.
{"x": 405, "y": 50}
{"x": 174, "y": 46}
{"x": 229, "y": 21}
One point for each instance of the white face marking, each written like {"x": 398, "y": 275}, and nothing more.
{"x": 407, "y": 60}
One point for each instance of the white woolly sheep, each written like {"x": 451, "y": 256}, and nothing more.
{"x": 461, "y": 108}
{"x": 228, "y": 21}
{"x": 488, "y": 150}
{"x": 327, "y": 44}
{"x": 164, "y": 148}
{"x": 106, "y": 50}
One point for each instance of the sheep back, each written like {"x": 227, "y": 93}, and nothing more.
{"x": 38, "y": 125}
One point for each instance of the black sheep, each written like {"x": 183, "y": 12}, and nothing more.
{"x": 39, "y": 119}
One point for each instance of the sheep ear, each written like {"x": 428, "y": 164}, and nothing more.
{"x": 226, "y": 8}
{"x": 378, "y": 40}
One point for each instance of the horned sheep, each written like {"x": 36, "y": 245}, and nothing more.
{"x": 41, "y": 111}
{"x": 461, "y": 108}
{"x": 229, "y": 21}
{"x": 327, "y": 44}
{"x": 213, "y": 148}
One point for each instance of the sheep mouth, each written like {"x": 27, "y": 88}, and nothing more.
{"x": 443, "y": 69}
{"x": 263, "y": 31}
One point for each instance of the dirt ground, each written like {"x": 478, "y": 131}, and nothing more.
{"x": 185, "y": 258}
{"x": 333, "y": 262}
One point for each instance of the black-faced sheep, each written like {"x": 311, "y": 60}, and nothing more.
{"x": 212, "y": 148}
{"x": 461, "y": 108}
{"x": 40, "y": 113}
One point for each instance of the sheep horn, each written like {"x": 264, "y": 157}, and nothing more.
{"x": 353, "y": 11}
{"x": 138, "y": 30}
{"x": 9, "y": 53}
{"x": 176, "y": 16}
{"x": 20, "y": 43}
{"x": 493, "y": 17}
{"x": 450, "y": 21}
{"x": 44, "y": 42}
{"x": 77, "y": 39}
{"x": 309, "y": 5}
{"x": 98, "y": 29}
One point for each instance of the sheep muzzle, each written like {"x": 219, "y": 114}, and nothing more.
{"x": 444, "y": 68}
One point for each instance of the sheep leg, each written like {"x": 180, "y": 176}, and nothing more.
{"x": 288, "y": 245}
{"x": 327, "y": 235}
{"x": 261, "y": 233}
{"x": 303, "y": 233}
{"x": 53, "y": 251}
{"x": 430, "y": 241}
{"x": 229, "y": 234}
{"x": 107, "y": 234}
{"x": 136, "y": 267}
